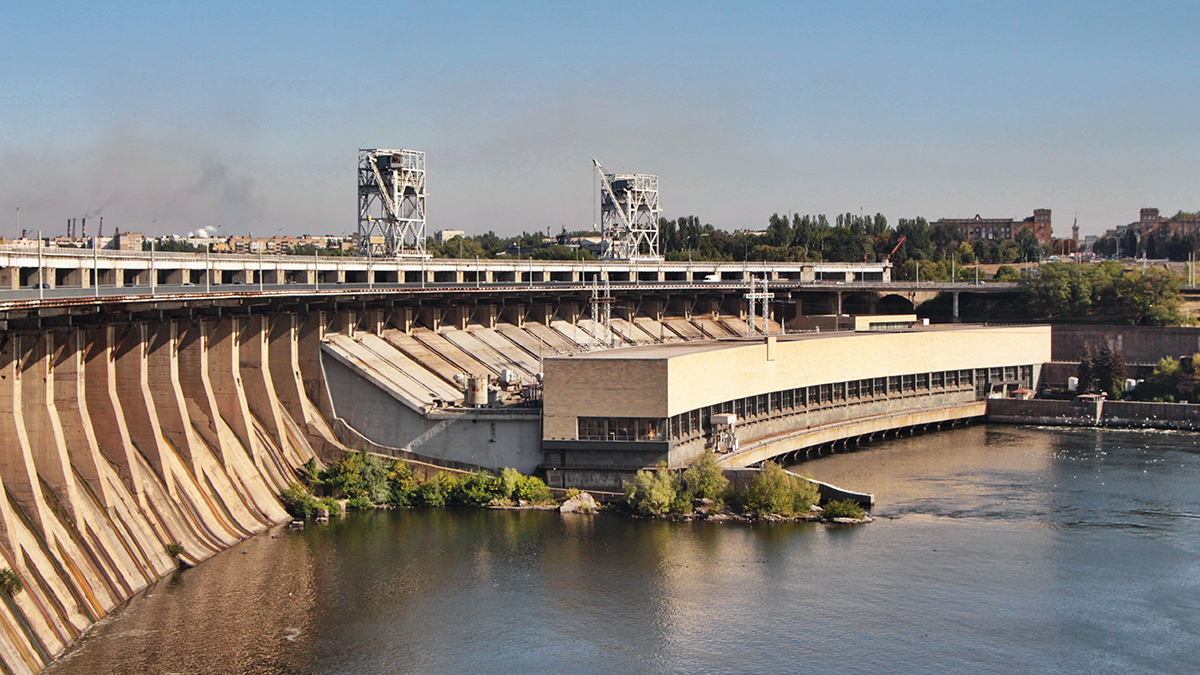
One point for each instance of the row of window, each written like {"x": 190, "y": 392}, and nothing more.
{"x": 620, "y": 429}
{"x": 809, "y": 398}
{"x": 816, "y": 397}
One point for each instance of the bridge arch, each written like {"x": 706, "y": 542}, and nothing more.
{"x": 858, "y": 303}
{"x": 895, "y": 304}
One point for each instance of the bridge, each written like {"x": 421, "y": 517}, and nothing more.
{"x": 56, "y": 277}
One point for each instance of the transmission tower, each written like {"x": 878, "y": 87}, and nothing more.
{"x": 753, "y": 298}
{"x": 602, "y": 313}
{"x": 391, "y": 203}
{"x": 628, "y": 215}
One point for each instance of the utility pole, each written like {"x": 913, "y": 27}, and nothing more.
{"x": 41, "y": 291}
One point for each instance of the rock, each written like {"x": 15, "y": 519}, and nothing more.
{"x": 815, "y": 509}
{"x": 580, "y": 503}
{"x": 850, "y": 521}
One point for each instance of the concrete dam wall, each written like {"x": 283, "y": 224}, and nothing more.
{"x": 121, "y": 440}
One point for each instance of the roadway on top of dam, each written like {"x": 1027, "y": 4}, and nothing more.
{"x": 75, "y": 296}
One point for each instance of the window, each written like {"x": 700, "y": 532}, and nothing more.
{"x": 937, "y": 380}
{"x": 852, "y": 389}
{"x": 922, "y": 380}
{"x": 893, "y": 384}
{"x": 620, "y": 429}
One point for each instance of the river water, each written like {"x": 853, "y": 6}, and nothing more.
{"x": 998, "y": 549}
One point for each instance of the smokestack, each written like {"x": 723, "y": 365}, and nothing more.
{"x": 100, "y": 230}
{"x": 84, "y": 234}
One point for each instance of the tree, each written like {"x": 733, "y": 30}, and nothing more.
{"x": 651, "y": 492}
{"x": 1006, "y": 274}
{"x": 966, "y": 254}
{"x": 1151, "y": 298}
{"x": 1102, "y": 370}
{"x": 943, "y": 236}
{"x": 704, "y": 478}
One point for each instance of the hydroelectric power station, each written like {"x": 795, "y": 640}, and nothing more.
{"x": 153, "y": 405}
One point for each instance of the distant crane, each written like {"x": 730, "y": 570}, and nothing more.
{"x": 896, "y": 248}
{"x": 628, "y": 215}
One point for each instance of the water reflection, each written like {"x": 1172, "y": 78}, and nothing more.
{"x": 1005, "y": 549}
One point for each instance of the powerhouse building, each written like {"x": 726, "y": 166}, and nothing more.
{"x": 607, "y": 414}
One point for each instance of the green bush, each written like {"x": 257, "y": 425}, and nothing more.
{"x": 402, "y": 484}
{"x": 533, "y": 490}
{"x": 845, "y": 508}
{"x": 704, "y": 479}
{"x": 359, "y": 504}
{"x": 174, "y": 549}
{"x": 509, "y": 480}
{"x": 329, "y": 504}
{"x": 651, "y": 492}
{"x": 774, "y": 491}
{"x": 475, "y": 489}
{"x": 358, "y": 475}
{"x": 435, "y": 491}
{"x": 10, "y": 582}
{"x": 309, "y": 472}
{"x": 298, "y": 502}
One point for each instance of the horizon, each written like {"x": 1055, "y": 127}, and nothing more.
{"x": 164, "y": 120}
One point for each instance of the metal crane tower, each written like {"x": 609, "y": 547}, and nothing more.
{"x": 391, "y": 203}
{"x": 628, "y": 215}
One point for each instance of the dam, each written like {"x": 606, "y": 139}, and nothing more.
{"x": 152, "y": 426}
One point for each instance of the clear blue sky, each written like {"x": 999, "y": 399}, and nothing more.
{"x": 165, "y": 117}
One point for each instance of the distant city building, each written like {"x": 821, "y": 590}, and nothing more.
{"x": 1004, "y": 228}
{"x": 1149, "y": 235}
{"x": 444, "y": 236}
{"x": 593, "y": 245}
{"x": 1150, "y": 223}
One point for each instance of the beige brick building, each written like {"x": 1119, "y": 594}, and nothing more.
{"x": 625, "y": 409}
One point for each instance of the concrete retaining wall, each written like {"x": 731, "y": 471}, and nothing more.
{"x": 1139, "y": 344}
{"x": 1125, "y": 414}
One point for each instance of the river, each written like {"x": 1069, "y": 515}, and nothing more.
{"x": 997, "y": 549}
